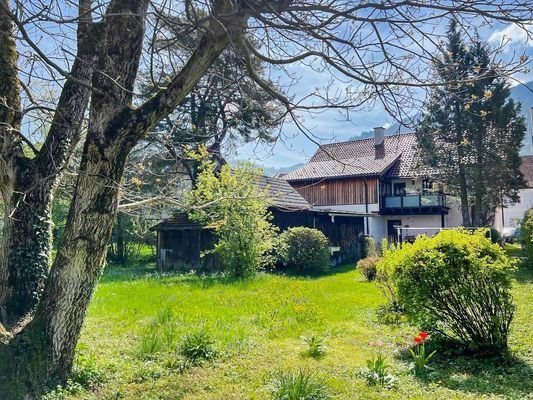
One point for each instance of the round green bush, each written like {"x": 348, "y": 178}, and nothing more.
{"x": 367, "y": 267}
{"x": 304, "y": 249}
{"x": 458, "y": 282}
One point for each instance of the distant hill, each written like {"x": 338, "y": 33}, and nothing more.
{"x": 523, "y": 94}
{"x": 520, "y": 93}
{"x": 271, "y": 171}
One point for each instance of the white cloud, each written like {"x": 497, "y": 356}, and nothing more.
{"x": 514, "y": 34}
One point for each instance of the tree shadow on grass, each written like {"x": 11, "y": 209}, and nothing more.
{"x": 339, "y": 269}
{"x": 524, "y": 273}
{"x": 149, "y": 272}
{"x": 505, "y": 375}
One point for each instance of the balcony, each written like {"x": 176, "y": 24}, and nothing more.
{"x": 414, "y": 204}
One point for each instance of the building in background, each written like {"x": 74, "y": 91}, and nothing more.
{"x": 382, "y": 179}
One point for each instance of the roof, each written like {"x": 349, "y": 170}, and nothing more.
{"x": 397, "y": 158}
{"x": 180, "y": 220}
{"x": 282, "y": 194}
{"x": 527, "y": 169}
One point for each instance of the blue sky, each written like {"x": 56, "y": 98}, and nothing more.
{"x": 331, "y": 125}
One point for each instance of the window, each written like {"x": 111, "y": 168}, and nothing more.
{"x": 399, "y": 189}
{"x": 427, "y": 186}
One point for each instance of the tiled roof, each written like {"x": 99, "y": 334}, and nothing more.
{"x": 282, "y": 194}
{"x": 180, "y": 220}
{"x": 527, "y": 170}
{"x": 360, "y": 157}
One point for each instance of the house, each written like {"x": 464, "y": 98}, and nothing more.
{"x": 512, "y": 214}
{"x": 380, "y": 178}
{"x": 182, "y": 242}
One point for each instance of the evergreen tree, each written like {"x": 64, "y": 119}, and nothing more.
{"x": 471, "y": 132}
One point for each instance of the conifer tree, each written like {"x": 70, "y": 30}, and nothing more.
{"x": 471, "y": 132}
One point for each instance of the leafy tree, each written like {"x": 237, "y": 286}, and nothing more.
{"x": 231, "y": 203}
{"x": 471, "y": 132}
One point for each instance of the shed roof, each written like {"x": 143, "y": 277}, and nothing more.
{"x": 282, "y": 194}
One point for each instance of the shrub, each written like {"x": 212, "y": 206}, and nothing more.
{"x": 495, "y": 236}
{"x": 458, "y": 283}
{"x": 369, "y": 246}
{"x": 197, "y": 346}
{"x": 526, "y": 235}
{"x": 304, "y": 249}
{"x": 298, "y": 385}
{"x": 367, "y": 267}
{"x": 236, "y": 209}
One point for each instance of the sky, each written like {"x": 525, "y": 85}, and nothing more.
{"x": 332, "y": 126}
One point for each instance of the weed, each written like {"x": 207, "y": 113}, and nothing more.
{"x": 316, "y": 347}
{"x": 298, "y": 385}
{"x": 197, "y": 346}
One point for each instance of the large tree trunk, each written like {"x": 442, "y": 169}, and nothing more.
{"x": 29, "y": 184}
{"x": 42, "y": 354}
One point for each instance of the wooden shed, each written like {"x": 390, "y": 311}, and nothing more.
{"x": 181, "y": 242}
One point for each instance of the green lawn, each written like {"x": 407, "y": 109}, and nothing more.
{"x": 257, "y": 328}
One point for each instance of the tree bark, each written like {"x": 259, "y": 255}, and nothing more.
{"x": 42, "y": 354}
{"x": 29, "y": 190}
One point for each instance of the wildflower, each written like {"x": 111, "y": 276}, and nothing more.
{"x": 371, "y": 344}
{"x": 418, "y": 339}
{"x": 379, "y": 343}
{"x": 423, "y": 335}
{"x": 487, "y": 94}
{"x": 467, "y": 106}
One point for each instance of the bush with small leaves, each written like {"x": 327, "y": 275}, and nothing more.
{"x": 197, "y": 347}
{"x": 367, "y": 267}
{"x": 458, "y": 283}
{"x": 298, "y": 385}
{"x": 304, "y": 249}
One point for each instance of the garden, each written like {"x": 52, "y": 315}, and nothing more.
{"x": 447, "y": 317}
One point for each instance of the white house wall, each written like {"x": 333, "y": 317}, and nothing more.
{"x": 513, "y": 214}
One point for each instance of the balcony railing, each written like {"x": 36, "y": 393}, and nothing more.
{"x": 415, "y": 201}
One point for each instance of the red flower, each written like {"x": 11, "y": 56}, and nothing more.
{"x": 418, "y": 339}
{"x": 423, "y": 335}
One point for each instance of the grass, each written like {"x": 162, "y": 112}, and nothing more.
{"x": 137, "y": 322}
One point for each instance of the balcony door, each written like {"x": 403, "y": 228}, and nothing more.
{"x": 399, "y": 189}
{"x": 392, "y": 232}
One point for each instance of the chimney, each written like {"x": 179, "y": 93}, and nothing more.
{"x": 379, "y": 136}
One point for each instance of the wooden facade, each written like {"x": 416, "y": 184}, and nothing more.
{"x": 339, "y": 191}
{"x": 181, "y": 244}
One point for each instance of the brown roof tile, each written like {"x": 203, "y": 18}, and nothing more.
{"x": 397, "y": 158}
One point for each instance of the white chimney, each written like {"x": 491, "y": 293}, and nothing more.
{"x": 379, "y": 135}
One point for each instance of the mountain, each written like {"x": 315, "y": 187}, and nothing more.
{"x": 524, "y": 95}
{"x": 521, "y": 93}
{"x": 272, "y": 171}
